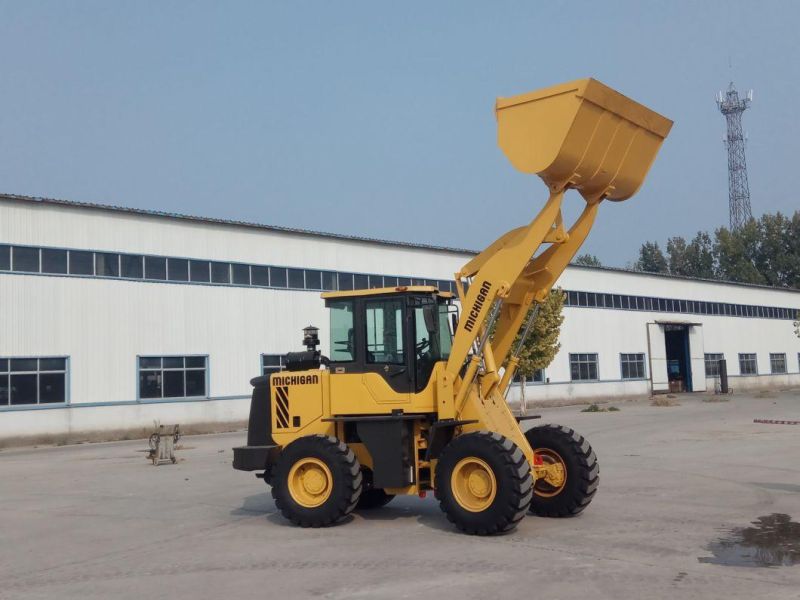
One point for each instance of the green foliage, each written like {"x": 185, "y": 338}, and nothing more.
{"x": 651, "y": 259}
{"x": 764, "y": 251}
{"x": 588, "y": 260}
{"x": 542, "y": 345}
{"x": 695, "y": 259}
{"x": 736, "y": 253}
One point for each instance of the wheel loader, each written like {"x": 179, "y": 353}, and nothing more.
{"x": 413, "y": 395}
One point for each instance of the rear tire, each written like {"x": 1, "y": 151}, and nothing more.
{"x": 316, "y": 481}
{"x": 483, "y": 483}
{"x": 555, "y": 443}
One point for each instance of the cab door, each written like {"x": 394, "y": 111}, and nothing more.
{"x": 386, "y": 342}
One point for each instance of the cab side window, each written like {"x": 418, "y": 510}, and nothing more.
{"x": 384, "y": 322}
{"x": 342, "y": 332}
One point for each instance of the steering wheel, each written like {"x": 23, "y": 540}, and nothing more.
{"x": 422, "y": 346}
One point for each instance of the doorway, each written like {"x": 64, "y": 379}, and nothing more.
{"x": 679, "y": 364}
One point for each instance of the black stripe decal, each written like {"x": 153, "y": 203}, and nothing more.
{"x": 282, "y": 406}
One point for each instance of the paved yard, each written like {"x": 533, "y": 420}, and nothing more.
{"x": 98, "y": 521}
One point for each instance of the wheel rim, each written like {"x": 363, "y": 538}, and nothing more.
{"x": 551, "y": 477}
{"x": 310, "y": 482}
{"x": 474, "y": 485}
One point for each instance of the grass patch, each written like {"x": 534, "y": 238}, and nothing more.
{"x": 664, "y": 401}
{"x": 595, "y": 408}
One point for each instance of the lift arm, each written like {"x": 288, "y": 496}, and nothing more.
{"x": 580, "y": 135}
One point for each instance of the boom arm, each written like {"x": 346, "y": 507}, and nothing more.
{"x": 580, "y": 135}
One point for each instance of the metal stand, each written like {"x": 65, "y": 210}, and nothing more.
{"x": 162, "y": 444}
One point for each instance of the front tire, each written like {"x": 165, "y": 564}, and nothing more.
{"x": 483, "y": 483}
{"x": 316, "y": 481}
{"x": 569, "y": 489}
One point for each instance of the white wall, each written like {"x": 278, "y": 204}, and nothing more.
{"x": 103, "y": 324}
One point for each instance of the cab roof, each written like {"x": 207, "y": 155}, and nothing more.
{"x": 401, "y": 289}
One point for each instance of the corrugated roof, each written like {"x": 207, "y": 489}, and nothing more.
{"x": 196, "y": 219}
{"x": 339, "y": 236}
{"x": 685, "y": 278}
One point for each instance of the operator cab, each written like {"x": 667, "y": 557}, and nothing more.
{"x": 399, "y": 333}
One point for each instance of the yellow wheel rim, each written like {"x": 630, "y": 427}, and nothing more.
{"x": 551, "y": 477}
{"x": 310, "y": 482}
{"x": 473, "y": 483}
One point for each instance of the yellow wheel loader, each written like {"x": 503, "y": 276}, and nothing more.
{"x": 413, "y": 396}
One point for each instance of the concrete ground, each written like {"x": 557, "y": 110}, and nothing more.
{"x": 98, "y": 521}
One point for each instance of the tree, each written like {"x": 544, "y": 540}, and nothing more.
{"x": 588, "y": 260}
{"x": 764, "y": 251}
{"x": 651, "y": 259}
{"x": 736, "y": 253}
{"x": 677, "y": 261}
{"x": 700, "y": 256}
{"x": 695, "y": 259}
{"x": 541, "y": 345}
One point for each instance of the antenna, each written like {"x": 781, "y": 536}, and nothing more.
{"x": 732, "y": 107}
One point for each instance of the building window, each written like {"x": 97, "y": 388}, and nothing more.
{"x": 106, "y": 264}
{"x": 155, "y": 267}
{"x": 25, "y": 259}
{"x": 712, "y": 364}
{"x": 172, "y": 376}
{"x": 748, "y": 364}
{"x": 199, "y": 271}
{"x": 632, "y": 366}
{"x": 583, "y": 367}
{"x": 241, "y": 274}
{"x": 260, "y": 276}
{"x": 272, "y": 363}
{"x": 296, "y": 279}
{"x": 277, "y": 277}
{"x": 5, "y": 257}
{"x": 345, "y": 281}
{"x": 54, "y": 261}
{"x": 313, "y": 279}
{"x": 81, "y": 263}
{"x": 220, "y": 272}
{"x": 777, "y": 363}
{"x": 33, "y": 381}
{"x": 360, "y": 282}
{"x": 329, "y": 281}
{"x": 537, "y": 377}
{"x": 178, "y": 269}
{"x": 131, "y": 266}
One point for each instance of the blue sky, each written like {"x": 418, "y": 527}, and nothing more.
{"x": 376, "y": 119}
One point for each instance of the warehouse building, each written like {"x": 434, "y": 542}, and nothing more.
{"x": 113, "y": 317}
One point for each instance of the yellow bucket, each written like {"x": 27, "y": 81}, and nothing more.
{"x": 581, "y": 135}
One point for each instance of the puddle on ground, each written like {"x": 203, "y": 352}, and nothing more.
{"x": 771, "y": 541}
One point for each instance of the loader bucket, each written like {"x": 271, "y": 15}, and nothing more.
{"x": 581, "y": 135}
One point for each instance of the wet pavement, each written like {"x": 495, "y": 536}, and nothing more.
{"x": 770, "y": 541}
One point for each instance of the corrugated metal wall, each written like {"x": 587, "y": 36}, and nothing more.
{"x": 102, "y": 324}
